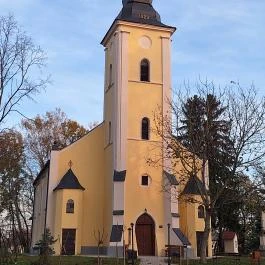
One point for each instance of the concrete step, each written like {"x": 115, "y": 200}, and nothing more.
{"x": 153, "y": 260}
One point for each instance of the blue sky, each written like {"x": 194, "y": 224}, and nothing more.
{"x": 221, "y": 40}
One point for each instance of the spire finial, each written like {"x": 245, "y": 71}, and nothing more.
{"x": 70, "y": 164}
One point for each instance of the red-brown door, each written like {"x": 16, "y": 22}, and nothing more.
{"x": 68, "y": 241}
{"x": 145, "y": 235}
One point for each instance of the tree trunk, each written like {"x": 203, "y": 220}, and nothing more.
{"x": 220, "y": 245}
{"x": 206, "y": 233}
{"x": 13, "y": 228}
{"x": 21, "y": 235}
{"x": 243, "y": 234}
{"x": 24, "y": 237}
{"x": 98, "y": 255}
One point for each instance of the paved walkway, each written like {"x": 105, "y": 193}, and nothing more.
{"x": 153, "y": 260}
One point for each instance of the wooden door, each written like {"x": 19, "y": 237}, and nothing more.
{"x": 68, "y": 241}
{"x": 145, "y": 235}
{"x": 199, "y": 236}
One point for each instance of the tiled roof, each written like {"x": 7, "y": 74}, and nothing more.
{"x": 171, "y": 178}
{"x": 140, "y": 11}
{"x": 116, "y": 233}
{"x": 69, "y": 181}
{"x": 185, "y": 241}
{"x": 119, "y": 176}
{"x": 228, "y": 235}
{"x": 194, "y": 186}
{"x": 40, "y": 175}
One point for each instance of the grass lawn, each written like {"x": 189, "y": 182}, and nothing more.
{"x": 77, "y": 260}
{"x": 69, "y": 260}
{"x": 227, "y": 261}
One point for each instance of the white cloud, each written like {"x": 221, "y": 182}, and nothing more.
{"x": 220, "y": 39}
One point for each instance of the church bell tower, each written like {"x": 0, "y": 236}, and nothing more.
{"x": 137, "y": 81}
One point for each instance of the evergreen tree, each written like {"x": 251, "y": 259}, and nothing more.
{"x": 45, "y": 247}
{"x": 205, "y": 133}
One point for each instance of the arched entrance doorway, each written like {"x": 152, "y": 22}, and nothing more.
{"x": 145, "y": 235}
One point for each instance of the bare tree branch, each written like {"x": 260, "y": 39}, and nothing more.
{"x": 20, "y": 64}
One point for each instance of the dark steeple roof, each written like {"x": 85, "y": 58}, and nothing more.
{"x": 171, "y": 178}
{"x": 116, "y": 233}
{"x": 140, "y": 11}
{"x": 119, "y": 176}
{"x": 41, "y": 174}
{"x": 184, "y": 240}
{"x": 69, "y": 181}
{"x": 194, "y": 186}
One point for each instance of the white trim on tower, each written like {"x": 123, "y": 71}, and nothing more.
{"x": 171, "y": 204}
{"x": 120, "y": 117}
{"x": 120, "y": 99}
{"x": 166, "y": 80}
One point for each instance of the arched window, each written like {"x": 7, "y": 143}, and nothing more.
{"x": 110, "y": 75}
{"x": 145, "y": 129}
{"x": 145, "y": 70}
{"x": 109, "y": 132}
{"x": 70, "y": 206}
{"x": 200, "y": 211}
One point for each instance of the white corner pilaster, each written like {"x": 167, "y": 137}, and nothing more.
{"x": 120, "y": 99}
{"x": 52, "y": 183}
{"x": 120, "y": 120}
{"x": 171, "y": 201}
{"x": 166, "y": 75}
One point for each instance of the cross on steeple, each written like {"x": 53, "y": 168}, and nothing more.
{"x": 70, "y": 163}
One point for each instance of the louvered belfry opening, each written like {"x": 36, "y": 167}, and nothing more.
{"x": 145, "y": 129}
{"x": 145, "y": 70}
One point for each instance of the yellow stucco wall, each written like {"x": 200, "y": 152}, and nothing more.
{"x": 137, "y": 197}
{"x": 143, "y": 108}
{"x": 137, "y": 53}
{"x": 87, "y": 156}
{"x": 190, "y": 223}
{"x": 108, "y": 187}
{"x": 65, "y": 220}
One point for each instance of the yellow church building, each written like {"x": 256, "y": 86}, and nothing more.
{"x": 102, "y": 183}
